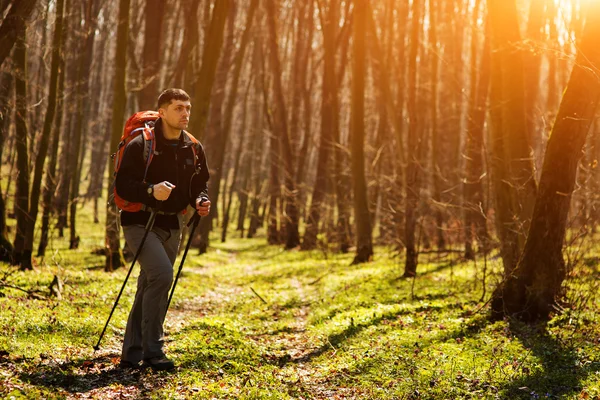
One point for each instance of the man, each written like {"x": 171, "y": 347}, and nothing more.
{"x": 177, "y": 177}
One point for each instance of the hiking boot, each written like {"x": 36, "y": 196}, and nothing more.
{"x": 124, "y": 364}
{"x": 160, "y": 363}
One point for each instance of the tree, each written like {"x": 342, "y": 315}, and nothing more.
{"x": 22, "y": 193}
{"x": 511, "y": 156}
{"x": 329, "y": 123}
{"x": 45, "y": 137}
{"x": 113, "y": 256}
{"x": 15, "y": 21}
{"x": 82, "y": 103}
{"x": 153, "y": 13}
{"x": 475, "y": 209}
{"x": 210, "y": 57}
{"x": 535, "y": 285}
{"x": 412, "y": 174}
{"x": 364, "y": 244}
{"x": 6, "y": 90}
{"x": 281, "y": 130}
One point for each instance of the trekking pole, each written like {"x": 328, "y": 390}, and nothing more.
{"x": 194, "y": 220}
{"x": 149, "y": 225}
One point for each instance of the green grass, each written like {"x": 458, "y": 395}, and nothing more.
{"x": 327, "y": 330}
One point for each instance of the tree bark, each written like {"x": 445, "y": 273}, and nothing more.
{"x": 151, "y": 54}
{"x": 45, "y": 137}
{"x": 412, "y": 173}
{"x": 82, "y": 101}
{"x": 362, "y": 216}
{"x": 6, "y": 90}
{"x": 210, "y": 57}
{"x": 535, "y": 286}
{"x": 475, "y": 209}
{"x": 511, "y": 163}
{"x": 50, "y": 178}
{"x": 22, "y": 192}
{"x": 329, "y": 124}
{"x": 222, "y": 126}
{"x": 13, "y": 24}
{"x": 113, "y": 256}
{"x": 292, "y": 238}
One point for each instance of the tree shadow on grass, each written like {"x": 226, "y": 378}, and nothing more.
{"x": 354, "y": 329}
{"x": 82, "y": 375}
{"x": 562, "y": 368}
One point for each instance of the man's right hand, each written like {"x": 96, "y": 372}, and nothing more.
{"x": 162, "y": 190}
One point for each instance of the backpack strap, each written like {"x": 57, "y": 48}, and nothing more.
{"x": 149, "y": 147}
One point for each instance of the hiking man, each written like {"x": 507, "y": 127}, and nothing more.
{"x": 175, "y": 178}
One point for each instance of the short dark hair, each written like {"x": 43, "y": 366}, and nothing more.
{"x": 171, "y": 94}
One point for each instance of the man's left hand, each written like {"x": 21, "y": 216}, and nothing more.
{"x": 203, "y": 207}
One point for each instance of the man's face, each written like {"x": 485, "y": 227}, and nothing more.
{"x": 176, "y": 114}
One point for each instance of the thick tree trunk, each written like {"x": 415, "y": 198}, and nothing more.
{"x": 22, "y": 192}
{"x": 533, "y": 288}
{"x": 13, "y": 24}
{"x": 151, "y": 55}
{"x": 210, "y": 58}
{"x": 512, "y": 166}
{"x": 113, "y": 256}
{"x": 189, "y": 46}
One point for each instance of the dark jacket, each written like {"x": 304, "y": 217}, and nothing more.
{"x": 173, "y": 161}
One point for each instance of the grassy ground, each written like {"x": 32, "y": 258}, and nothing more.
{"x": 251, "y": 321}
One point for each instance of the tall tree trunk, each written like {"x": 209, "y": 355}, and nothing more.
{"x": 222, "y": 130}
{"x": 6, "y": 90}
{"x": 364, "y": 242}
{"x": 512, "y": 166}
{"x": 188, "y": 47}
{"x": 45, "y": 137}
{"x": 210, "y": 57}
{"x": 238, "y": 153}
{"x": 13, "y": 24}
{"x": 22, "y": 193}
{"x": 113, "y": 256}
{"x": 532, "y": 63}
{"x": 151, "y": 55}
{"x": 398, "y": 191}
{"x": 50, "y": 178}
{"x": 436, "y": 137}
{"x": 412, "y": 173}
{"x": 329, "y": 124}
{"x": 281, "y": 126}
{"x": 82, "y": 101}
{"x": 533, "y": 288}
{"x": 475, "y": 210}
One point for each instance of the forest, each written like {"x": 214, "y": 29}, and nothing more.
{"x": 405, "y": 197}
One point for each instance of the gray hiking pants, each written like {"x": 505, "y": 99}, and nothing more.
{"x": 144, "y": 332}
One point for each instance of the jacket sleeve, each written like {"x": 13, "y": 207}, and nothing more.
{"x": 199, "y": 183}
{"x": 130, "y": 177}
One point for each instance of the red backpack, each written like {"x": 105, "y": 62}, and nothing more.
{"x": 140, "y": 123}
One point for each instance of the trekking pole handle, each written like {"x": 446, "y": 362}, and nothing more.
{"x": 196, "y": 217}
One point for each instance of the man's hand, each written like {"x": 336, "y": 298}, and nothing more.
{"x": 203, "y": 206}
{"x": 162, "y": 190}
